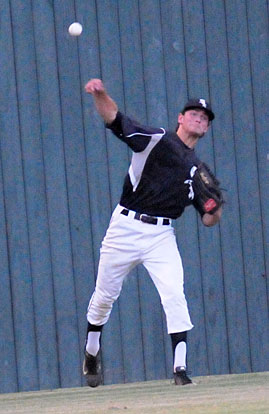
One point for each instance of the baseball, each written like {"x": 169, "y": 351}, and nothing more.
{"x": 75, "y": 29}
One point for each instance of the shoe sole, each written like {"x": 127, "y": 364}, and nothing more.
{"x": 92, "y": 380}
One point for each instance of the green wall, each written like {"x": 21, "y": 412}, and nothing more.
{"x": 61, "y": 175}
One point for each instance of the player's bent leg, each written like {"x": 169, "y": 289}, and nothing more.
{"x": 108, "y": 287}
{"x": 112, "y": 270}
{"x": 99, "y": 310}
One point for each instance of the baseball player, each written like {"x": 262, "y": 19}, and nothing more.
{"x": 164, "y": 177}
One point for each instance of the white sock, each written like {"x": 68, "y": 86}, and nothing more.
{"x": 93, "y": 343}
{"x": 180, "y": 355}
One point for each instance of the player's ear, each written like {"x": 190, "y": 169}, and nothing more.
{"x": 180, "y": 118}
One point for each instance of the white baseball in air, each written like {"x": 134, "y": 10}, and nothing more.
{"x": 75, "y": 29}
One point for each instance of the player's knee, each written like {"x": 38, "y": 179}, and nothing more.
{"x": 103, "y": 301}
{"x": 99, "y": 310}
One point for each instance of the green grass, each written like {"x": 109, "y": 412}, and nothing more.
{"x": 230, "y": 394}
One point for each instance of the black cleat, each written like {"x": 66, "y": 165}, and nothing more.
{"x": 92, "y": 369}
{"x": 181, "y": 377}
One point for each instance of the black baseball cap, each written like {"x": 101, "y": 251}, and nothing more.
{"x": 200, "y": 104}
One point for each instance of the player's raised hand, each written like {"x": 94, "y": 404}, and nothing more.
{"x": 94, "y": 86}
{"x": 105, "y": 105}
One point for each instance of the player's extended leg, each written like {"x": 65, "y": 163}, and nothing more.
{"x": 164, "y": 265}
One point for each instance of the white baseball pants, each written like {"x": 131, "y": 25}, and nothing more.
{"x": 127, "y": 243}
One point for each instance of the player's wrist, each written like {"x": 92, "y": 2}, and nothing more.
{"x": 210, "y": 220}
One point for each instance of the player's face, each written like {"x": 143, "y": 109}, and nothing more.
{"x": 194, "y": 121}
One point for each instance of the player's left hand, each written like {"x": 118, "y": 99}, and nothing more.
{"x": 207, "y": 192}
{"x": 212, "y": 219}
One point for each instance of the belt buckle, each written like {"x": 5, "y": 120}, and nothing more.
{"x": 141, "y": 217}
{"x": 148, "y": 219}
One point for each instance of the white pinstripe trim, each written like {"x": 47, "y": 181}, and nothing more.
{"x": 145, "y": 135}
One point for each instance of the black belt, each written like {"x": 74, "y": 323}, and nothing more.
{"x": 146, "y": 219}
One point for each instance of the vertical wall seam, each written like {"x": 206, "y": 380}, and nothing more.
{"x": 58, "y": 78}
{"x": 219, "y": 228}
{"x": 85, "y": 152}
{"x": 105, "y": 131}
{"x": 23, "y": 176}
{"x": 124, "y": 106}
{"x": 8, "y": 245}
{"x": 256, "y": 138}
{"x": 196, "y": 216}
{"x": 146, "y": 107}
{"x": 236, "y": 178}
{"x": 167, "y": 111}
{"x": 45, "y": 180}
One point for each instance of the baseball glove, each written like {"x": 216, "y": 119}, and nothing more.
{"x": 206, "y": 188}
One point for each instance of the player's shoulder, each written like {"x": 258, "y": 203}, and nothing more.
{"x": 131, "y": 127}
